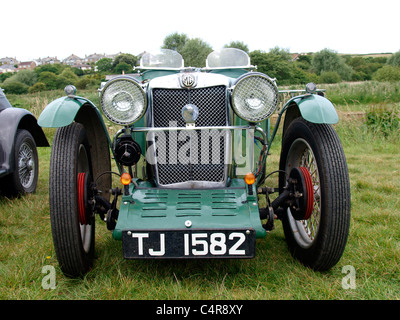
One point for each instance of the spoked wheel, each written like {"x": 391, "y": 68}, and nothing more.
{"x": 72, "y": 219}
{"x": 318, "y": 236}
{"x": 25, "y": 176}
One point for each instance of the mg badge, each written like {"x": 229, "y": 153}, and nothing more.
{"x": 188, "y": 80}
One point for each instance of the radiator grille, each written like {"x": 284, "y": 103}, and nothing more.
{"x": 190, "y": 155}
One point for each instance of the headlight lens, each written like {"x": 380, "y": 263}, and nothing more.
{"x": 123, "y": 101}
{"x": 254, "y": 97}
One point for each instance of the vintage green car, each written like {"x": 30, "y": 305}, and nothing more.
{"x": 191, "y": 155}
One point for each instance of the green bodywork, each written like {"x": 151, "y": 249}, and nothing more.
{"x": 231, "y": 73}
{"x": 315, "y": 108}
{"x": 312, "y": 107}
{"x": 62, "y": 112}
{"x": 147, "y": 207}
{"x": 151, "y": 74}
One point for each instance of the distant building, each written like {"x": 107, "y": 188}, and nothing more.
{"x": 73, "y": 60}
{"x": 112, "y": 56}
{"x": 7, "y": 68}
{"x": 7, "y": 60}
{"x": 296, "y": 56}
{"x": 48, "y": 60}
{"x": 93, "y": 58}
{"x": 27, "y": 65}
{"x": 82, "y": 66}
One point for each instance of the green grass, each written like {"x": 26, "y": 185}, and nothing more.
{"x": 368, "y": 92}
{"x": 373, "y": 247}
{"x": 359, "y": 93}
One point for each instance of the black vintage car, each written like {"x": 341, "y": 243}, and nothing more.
{"x": 19, "y": 137}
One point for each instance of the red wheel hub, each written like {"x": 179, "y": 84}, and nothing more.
{"x": 82, "y": 198}
{"x": 309, "y": 189}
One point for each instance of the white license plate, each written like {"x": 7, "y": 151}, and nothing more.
{"x": 188, "y": 244}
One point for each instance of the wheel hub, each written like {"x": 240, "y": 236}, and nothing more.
{"x": 26, "y": 165}
{"x": 302, "y": 192}
{"x": 82, "y": 198}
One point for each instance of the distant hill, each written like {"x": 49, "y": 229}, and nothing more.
{"x": 366, "y": 55}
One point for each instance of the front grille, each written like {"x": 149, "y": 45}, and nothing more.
{"x": 190, "y": 155}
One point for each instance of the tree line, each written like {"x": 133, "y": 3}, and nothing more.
{"x": 325, "y": 66}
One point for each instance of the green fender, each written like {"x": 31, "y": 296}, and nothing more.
{"x": 312, "y": 107}
{"x": 63, "y": 111}
{"x": 317, "y": 109}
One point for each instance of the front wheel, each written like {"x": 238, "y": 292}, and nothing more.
{"x": 317, "y": 240}
{"x": 72, "y": 220}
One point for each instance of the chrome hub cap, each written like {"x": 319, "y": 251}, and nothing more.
{"x": 26, "y": 165}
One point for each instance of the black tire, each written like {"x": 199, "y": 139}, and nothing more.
{"x": 73, "y": 240}
{"x": 319, "y": 241}
{"x": 26, "y": 165}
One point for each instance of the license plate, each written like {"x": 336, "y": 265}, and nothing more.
{"x": 188, "y": 244}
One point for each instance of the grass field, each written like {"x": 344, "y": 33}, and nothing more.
{"x": 372, "y": 252}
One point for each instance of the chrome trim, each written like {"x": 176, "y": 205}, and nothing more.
{"x": 207, "y": 184}
{"x": 194, "y": 128}
{"x": 193, "y": 185}
{"x": 203, "y": 80}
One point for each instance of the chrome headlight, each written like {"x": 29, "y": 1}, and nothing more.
{"x": 123, "y": 100}
{"x": 254, "y": 97}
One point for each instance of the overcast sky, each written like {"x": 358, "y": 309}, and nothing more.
{"x": 33, "y": 29}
